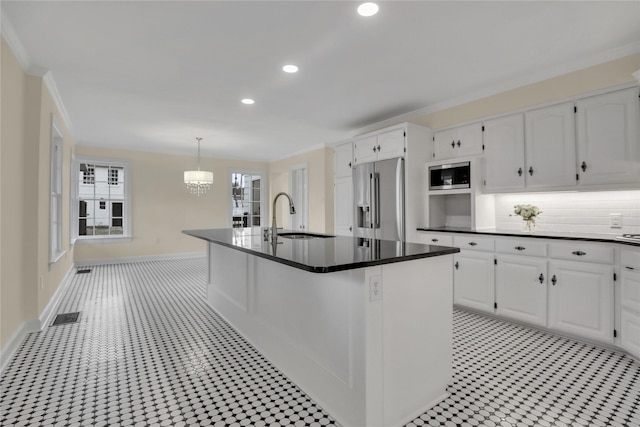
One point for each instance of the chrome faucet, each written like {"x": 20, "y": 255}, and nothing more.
{"x": 292, "y": 210}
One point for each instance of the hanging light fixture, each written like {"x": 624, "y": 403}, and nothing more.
{"x": 198, "y": 182}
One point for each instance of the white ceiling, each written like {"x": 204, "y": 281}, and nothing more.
{"x": 153, "y": 75}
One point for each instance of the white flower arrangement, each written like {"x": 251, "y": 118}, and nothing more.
{"x": 527, "y": 212}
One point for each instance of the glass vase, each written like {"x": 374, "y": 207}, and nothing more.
{"x": 528, "y": 225}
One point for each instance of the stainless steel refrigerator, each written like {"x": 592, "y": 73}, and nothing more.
{"x": 378, "y": 193}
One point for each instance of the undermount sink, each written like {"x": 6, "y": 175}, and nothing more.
{"x": 298, "y": 235}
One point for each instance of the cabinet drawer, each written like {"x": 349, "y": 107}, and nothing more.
{"x": 475, "y": 243}
{"x": 581, "y": 252}
{"x": 630, "y": 258}
{"x": 436, "y": 239}
{"x": 521, "y": 247}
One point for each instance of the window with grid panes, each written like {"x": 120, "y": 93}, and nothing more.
{"x": 102, "y": 200}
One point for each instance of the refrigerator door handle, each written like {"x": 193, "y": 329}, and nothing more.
{"x": 373, "y": 200}
{"x": 376, "y": 209}
{"x": 400, "y": 202}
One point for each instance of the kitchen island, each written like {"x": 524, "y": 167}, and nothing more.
{"x": 363, "y": 326}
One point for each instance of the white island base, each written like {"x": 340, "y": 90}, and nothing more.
{"x": 368, "y": 361}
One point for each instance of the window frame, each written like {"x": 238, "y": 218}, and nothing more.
{"x": 56, "y": 192}
{"x": 263, "y": 193}
{"x": 76, "y": 180}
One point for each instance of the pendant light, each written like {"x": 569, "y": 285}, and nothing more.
{"x": 198, "y": 182}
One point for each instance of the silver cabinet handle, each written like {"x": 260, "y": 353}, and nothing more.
{"x": 541, "y": 278}
{"x": 629, "y": 268}
{"x": 519, "y": 248}
{"x": 554, "y": 280}
{"x": 459, "y": 144}
{"x": 473, "y": 244}
{"x": 583, "y": 166}
{"x": 434, "y": 240}
{"x": 453, "y": 144}
{"x": 519, "y": 171}
{"x": 456, "y": 265}
{"x": 350, "y": 228}
{"x": 579, "y": 253}
{"x": 531, "y": 170}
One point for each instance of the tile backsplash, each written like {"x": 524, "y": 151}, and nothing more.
{"x": 578, "y": 212}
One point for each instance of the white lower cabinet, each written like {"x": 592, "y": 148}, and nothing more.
{"x": 581, "y": 299}
{"x": 521, "y": 288}
{"x": 630, "y": 332}
{"x": 473, "y": 275}
{"x": 630, "y": 301}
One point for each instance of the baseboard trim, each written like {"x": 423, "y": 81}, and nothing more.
{"x": 126, "y": 260}
{"x": 34, "y": 325}
{"x": 49, "y": 310}
{"x": 27, "y": 327}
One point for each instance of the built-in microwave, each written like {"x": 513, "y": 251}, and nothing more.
{"x": 450, "y": 176}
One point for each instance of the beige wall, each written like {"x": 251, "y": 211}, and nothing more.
{"x": 600, "y": 76}
{"x": 27, "y": 282}
{"x": 320, "y": 188}
{"x": 162, "y": 206}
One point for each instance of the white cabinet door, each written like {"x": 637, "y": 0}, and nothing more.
{"x": 473, "y": 278}
{"x": 630, "y": 309}
{"x": 342, "y": 160}
{"x": 581, "y": 299}
{"x": 521, "y": 288}
{"x": 462, "y": 141}
{"x": 469, "y": 140}
{"x": 444, "y": 143}
{"x": 391, "y": 144}
{"x": 608, "y": 135}
{"x": 365, "y": 150}
{"x": 343, "y": 207}
{"x": 630, "y": 332}
{"x": 550, "y": 147}
{"x": 504, "y": 153}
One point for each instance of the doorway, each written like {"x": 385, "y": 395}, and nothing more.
{"x": 247, "y": 199}
{"x": 298, "y": 190}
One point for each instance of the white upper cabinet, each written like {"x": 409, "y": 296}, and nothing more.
{"x": 342, "y": 160}
{"x": 550, "y": 149}
{"x": 607, "y": 127}
{"x": 504, "y": 153}
{"x": 365, "y": 150}
{"x": 384, "y": 145}
{"x": 391, "y": 144}
{"x": 462, "y": 141}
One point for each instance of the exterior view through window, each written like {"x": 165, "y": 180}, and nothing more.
{"x": 101, "y": 197}
{"x": 245, "y": 200}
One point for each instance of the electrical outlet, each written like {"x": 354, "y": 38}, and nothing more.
{"x": 615, "y": 220}
{"x": 375, "y": 288}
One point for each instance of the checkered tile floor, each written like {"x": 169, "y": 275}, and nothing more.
{"x": 147, "y": 351}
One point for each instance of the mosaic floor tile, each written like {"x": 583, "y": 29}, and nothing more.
{"x": 148, "y": 351}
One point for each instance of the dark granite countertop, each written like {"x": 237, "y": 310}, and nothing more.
{"x": 321, "y": 255}
{"x": 587, "y": 237}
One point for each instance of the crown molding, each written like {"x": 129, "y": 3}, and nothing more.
{"x": 547, "y": 73}
{"x": 9, "y": 34}
{"x": 53, "y": 90}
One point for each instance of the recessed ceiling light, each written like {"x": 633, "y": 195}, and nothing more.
{"x": 248, "y": 101}
{"x": 290, "y": 69}
{"x": 368, "y": 9}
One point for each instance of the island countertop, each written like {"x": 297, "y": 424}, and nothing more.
{"x": 323, "y": 254}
